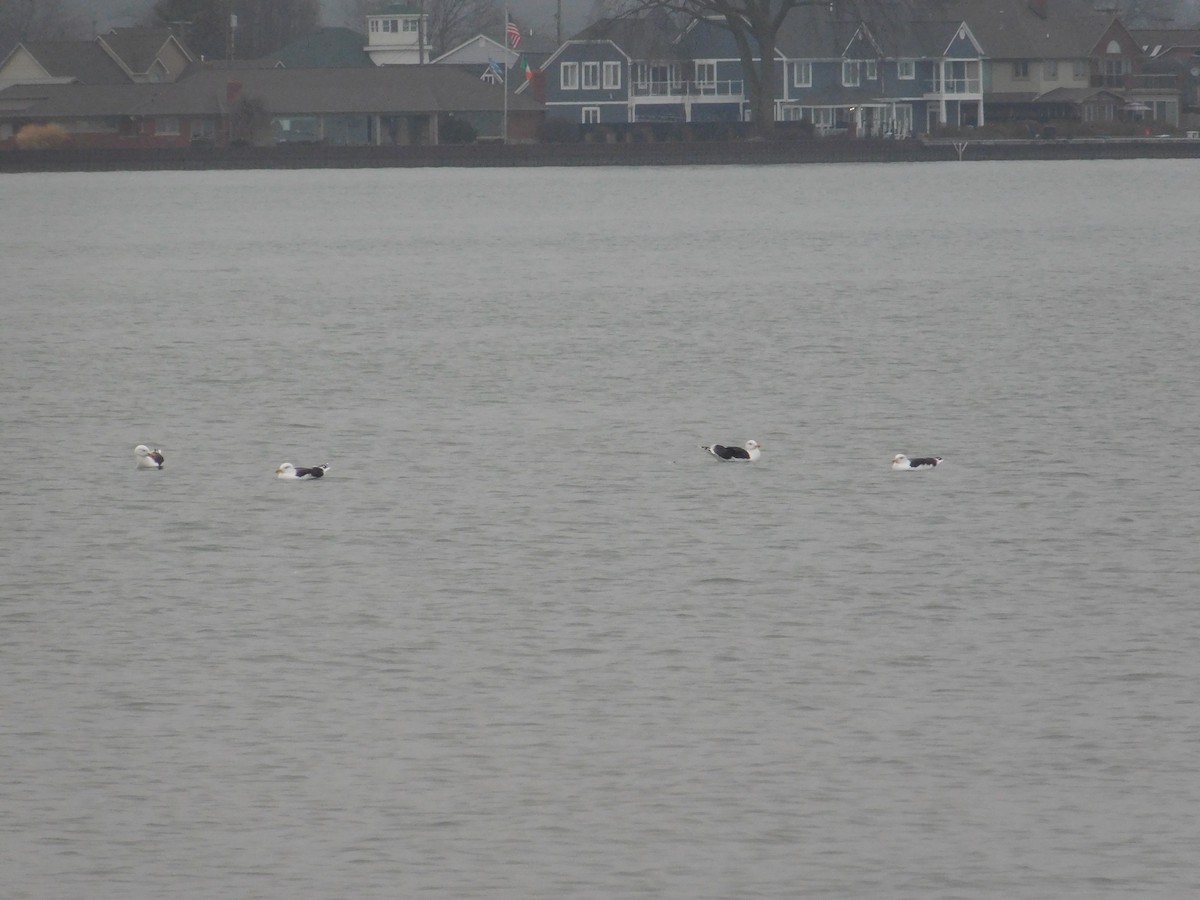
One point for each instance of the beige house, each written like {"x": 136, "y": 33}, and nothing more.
{"x": 122, "y": 56}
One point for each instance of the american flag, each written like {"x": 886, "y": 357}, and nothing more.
{"x": 513, "y": 33}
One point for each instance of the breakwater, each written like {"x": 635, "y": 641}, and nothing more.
{"x": 310, "y": 156}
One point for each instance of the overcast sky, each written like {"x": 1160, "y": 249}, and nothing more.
{"x": 105, "y": 14}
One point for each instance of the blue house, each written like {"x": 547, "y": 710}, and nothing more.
{"x": 646, "y": 69}
{"x": 890, "y": 77}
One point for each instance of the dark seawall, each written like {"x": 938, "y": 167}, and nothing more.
{"x": 319, "y": 156}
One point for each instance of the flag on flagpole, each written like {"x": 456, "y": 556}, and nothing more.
{"x": 513, "y": 33}
{"x": 524, "y": 67}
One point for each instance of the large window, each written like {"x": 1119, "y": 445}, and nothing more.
{"x": 591, "y": 115}
{"x": 1114, "y": 72}
{"x": 1051, "y": 68}
{"x": 706, "y": 74}
{"x": 591, "y": 76}
{"x": 612, "y": 76}
{"x": 569, "y": 76}
{"x": 802, "y": 74}
{"x": 906, "y": 69}
{"x": 850, "y": 73}
{"x": 872, "y": 70}
{"x": 166, "y": 125}
{"x": 1021, "y": 70}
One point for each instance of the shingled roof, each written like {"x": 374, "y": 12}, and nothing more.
{"x": 138, "y": 48}
{"x": 85, "y": 61}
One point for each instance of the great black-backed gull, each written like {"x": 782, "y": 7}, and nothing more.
{"x": 752, "y": 452}
{"x": 900, "y": 461}
{"x": 147, "y": 458}
{"x": 290, "y": 472}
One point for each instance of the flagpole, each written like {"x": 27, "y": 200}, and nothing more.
{"x": 504, "y": 125}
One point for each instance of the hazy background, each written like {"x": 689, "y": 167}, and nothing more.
{"x": 106, "y": 14}
{"x": 577, "y": 13}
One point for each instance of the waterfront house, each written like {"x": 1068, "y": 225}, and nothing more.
{"x": 122, "y": 56}
{"x": 373, "y": 105}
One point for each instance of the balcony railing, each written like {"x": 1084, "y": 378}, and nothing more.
{"x": 950, "y": 86}
{"x": 687, "y": 89}
{"x": 1131, "y": 82}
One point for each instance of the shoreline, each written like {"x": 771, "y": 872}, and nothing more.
{"x": 782, "y": 152}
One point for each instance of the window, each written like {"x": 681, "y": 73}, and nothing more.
{"x": 1051, "y": 68}
{"x": 612, "y": 76}
{"x": 906, "y": 69}
{"x": 409, "y": 24}
{"x": 374, "y": 25}
{"x": 1079, "y": 69}
{"x": 802, "y": 74}
{"x": 391, "y": 25}
{"x": 849, "y": 73}
{"x": 569, "y": 76}
{"x": 203, "y": 129}
{"x": 872, "y": 71}
{"x": 591, "y": 76}
{"x": 1114, "y": 72}
{"x": 706, "y": 74}
{"x": 1021, "y": 70}
{"x": 591, "y": 115}
{"x": 166, "y": 125}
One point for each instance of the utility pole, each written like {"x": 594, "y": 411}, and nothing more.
{"x": 230, "y": 27}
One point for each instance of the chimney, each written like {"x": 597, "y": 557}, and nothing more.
{"x": 233, "y": 90}
{"x": 1039, "y": 7}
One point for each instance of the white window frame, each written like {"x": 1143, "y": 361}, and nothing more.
{"x": 872, "y": 70}
{"x": 1080, "y": 69}
{"x": 802, "y": 74}
{"x": 568, "y": 76}
{"x": 408, "y": 24}
{"x": 590, "y": 76}
{"x": 166, "y": 126}
{"x": 906, "y": 69}
{"x": 705, "y": 74}
{"x": 590, "y": 115}
{"x": 374, "y": 26}
{"x": 850, "y": 73}
{"x": 1050, "y": 66}
{"x": 1020, "y": 69}
{"x": 612, "y": 75}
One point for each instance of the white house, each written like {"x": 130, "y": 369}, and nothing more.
{"x": 398, "y": 35}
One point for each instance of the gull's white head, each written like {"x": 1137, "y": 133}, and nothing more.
{"x": 753, "y": 445}
{"x": 285, "y": 470}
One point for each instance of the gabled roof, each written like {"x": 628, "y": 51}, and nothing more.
{"x": 1013, "y": 29}
{"x": 646, "y": 37}
{"x": 1157, "y": 41}
{"x": 814, "y": 32}
{"x": 710, "y": 39}
{"x": 138, "y": 48}
{"x": 85, "y": 61}
{"x": 326, "y": 48}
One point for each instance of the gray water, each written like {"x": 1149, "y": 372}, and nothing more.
{"x": 527, "y": 639}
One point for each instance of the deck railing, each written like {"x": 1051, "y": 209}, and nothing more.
{"x": 687, "y": 89}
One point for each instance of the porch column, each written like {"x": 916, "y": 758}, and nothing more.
{"x": 942, "y": 120}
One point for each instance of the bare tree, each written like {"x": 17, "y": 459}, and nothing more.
{"x": 754, "y": 25}
{"x": 38, "y": 20}
{"x": 263, "y": 26}
{"x": 453, "y": 21}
